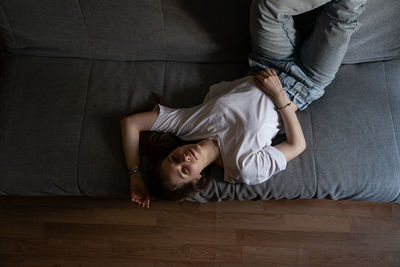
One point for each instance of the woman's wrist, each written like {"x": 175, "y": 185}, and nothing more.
{"x": 282, "y": 100}
{"x": 136, "y": 177}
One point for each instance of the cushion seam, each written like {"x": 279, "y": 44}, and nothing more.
{"x": 165, "y": 49}
{"x": 370, "y": 60}
{"x": 82, "y": 125}
{"x": 313, "y": 156}
{"x": 163, "y": 85}
{"x": 164, "y": 30}
{"x": 87, "y": 29}
{"x": 3, "y": 126}
{"x": 11, "y": 30}
{"x": 389, "y": 96}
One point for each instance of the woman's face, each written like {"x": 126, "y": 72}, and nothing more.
{"x": 184, "y": 164}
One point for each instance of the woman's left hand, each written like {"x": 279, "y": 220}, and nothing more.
{"x": 268, "y": 81}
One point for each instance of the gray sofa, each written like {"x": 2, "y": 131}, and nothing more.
{"x": 73, "y": 69}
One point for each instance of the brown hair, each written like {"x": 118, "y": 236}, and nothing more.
{"x": 155, "y": 147}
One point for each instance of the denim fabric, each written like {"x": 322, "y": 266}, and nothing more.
{"x": 305, "y": 67}
{"x": 298, "y": 87}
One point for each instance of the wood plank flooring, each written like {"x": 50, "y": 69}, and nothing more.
{"x": 82, "y": 231}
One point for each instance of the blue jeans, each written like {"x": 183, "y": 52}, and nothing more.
{"x": 305, "y": 67}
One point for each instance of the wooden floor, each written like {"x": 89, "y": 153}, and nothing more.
{"x": 78, "y": 231}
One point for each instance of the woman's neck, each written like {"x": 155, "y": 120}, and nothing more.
{"x": 214, "y": 152}
{"x": 218, "y": 161}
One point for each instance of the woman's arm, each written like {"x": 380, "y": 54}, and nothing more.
{"x": 131, "y": 127}
{"x": 295, "y": 144}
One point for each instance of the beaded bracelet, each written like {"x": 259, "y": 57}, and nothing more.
{"x": 135, "y": 169}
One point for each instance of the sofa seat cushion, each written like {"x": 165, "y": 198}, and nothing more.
{"x": 356, "y": 143}
{"x": 60, "y": 131}
{"x": 41, "y": 107}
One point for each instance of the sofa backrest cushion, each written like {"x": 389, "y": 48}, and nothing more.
{"x": 378, "y": 37}
{"x": 174, "y": 30}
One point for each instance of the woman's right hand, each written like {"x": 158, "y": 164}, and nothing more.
{"x": 268, "y": 81}
{"x": 139, "y": 193}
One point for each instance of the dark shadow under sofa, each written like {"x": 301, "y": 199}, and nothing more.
{"x": 73, "y": 69}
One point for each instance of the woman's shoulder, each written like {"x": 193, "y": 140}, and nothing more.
{"x": 224, "y": 87}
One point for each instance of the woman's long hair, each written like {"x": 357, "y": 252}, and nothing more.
{"x": 154, "y": 147}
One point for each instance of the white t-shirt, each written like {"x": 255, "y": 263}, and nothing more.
{"x": 242, "y": 119}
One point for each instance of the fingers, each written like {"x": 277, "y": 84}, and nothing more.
{"x": 260, "y": 77}
{"x": 258, "y": 82}
{"x": 267, "y": 73}
{"x": 142, "y": 203}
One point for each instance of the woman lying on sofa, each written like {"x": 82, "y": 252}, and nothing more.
{"x": 237, "y": 120}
